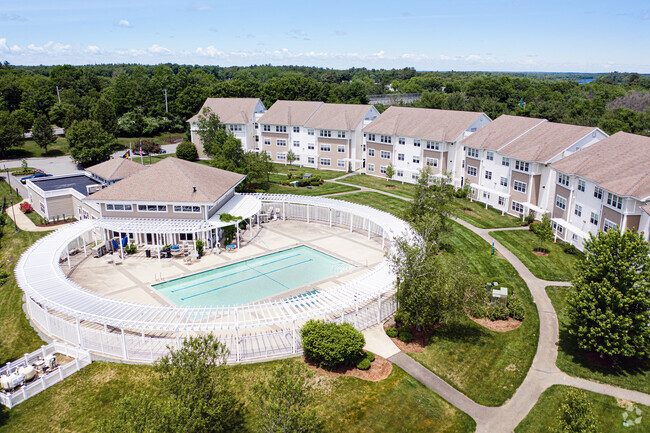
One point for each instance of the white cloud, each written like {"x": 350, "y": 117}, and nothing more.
{"x": 12, "y": 17}
{"x": 124, "y": 23}
{"x": 4, "y": 48}
{"x": 93, "y": 49}
{"x": 159, "y": 49}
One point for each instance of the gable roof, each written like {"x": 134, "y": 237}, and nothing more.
{"x": 618, "y": 164}
{"x": 172, "y": 180}
{"x": 289, "y": 112}
{"x": 229, "y": 110}
{"x": 116, "y": 168}
{"x": 338, "y": 116}
{"x": 501, "y": 131}
{"x": 426, "y": 123}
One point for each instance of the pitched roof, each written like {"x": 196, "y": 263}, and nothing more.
{"x": 172, "y": 180}
{"x": 229, "y": 110}
{"x": 618, "y": 164}
{"x": 289, "y": 112}
{"x": 426, "y": 123}
{"x": 501, "y": 131}
{"x": 116, "y": 168}
{"x": 338, "y": 116}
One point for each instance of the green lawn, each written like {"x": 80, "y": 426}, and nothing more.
{"x": 383, "y": 202}
{"x": 609, "y": 413}
{"x": 556, "y": 266}
{"x": 295, "y": 169}
{"x": 490, "y": 218}
{"x": 394, "y": 187}
{"x": 148, "y": 160}
{"x": 571, "y": 360}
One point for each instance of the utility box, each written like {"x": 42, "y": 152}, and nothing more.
{"x": 307, "y": 176}
{"x": 500, "y": 294}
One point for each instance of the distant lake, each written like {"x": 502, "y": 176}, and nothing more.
{"x": 585, "y": 81}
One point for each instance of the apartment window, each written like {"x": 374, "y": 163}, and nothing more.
{"x": 505, "y": 161}
{"x": 578, "y": 210}
{"x": 581, "y": 185}
{"x": 85, "y": 214}
{"x": 504, "y": 181}
{"x": 325, "y": 133}
{"x": 563, "y": 179}
{"x": 502, "y": 201}
{"x": 560, "y": 202}
{"x": 257, "y": 138}
{"x": 488, "y": 175}
{"x": 296, "y": 129}
{"x": 519, "y": 186}
{"x": 430, "y": 179}
{"x": 400, "y": 157}
{"x": 235, "y": 128}
{"x": 280, "y": 128}
{"x": 486, "y": 195}
{"x": 558, "y": 228}
{"x": 257, "y": 126}
{"x": 340, "y": 163}
{"x": 281, "y": 142}
{"x": 384, "y": 154}
{"x": 42, "y": 205}
{"x": 607, "y": 224}
{"x": 416, "y": 159}
{"x": 310, "y": 160}
{"x": 432, "y": 162}
{"x": 281, "y": 156}
{"x": 296, "y": 143}
{"x": 401, "y": 140}
{"x": 594, "y": 218}
{"x": 433, "y": 145}
{"x": 386, "y": 139}
{"x": 187, "y": 209}
{"x": 340, "y": 149}
{"x": 267, "y": 141}
{"x": 598, "y": 193}
{"x": 517, "y": 207}
{"x": 371, "y": 152}
{"x": 614, "y": 200}
{"x": 297, "y": 157}
{"x": 371, "y": 137}
{"x": 121, "y": 207}
{"x": 400, "y": 173}
{"x": 325, "y": 162}
{"x": 310, "y": 131}
{"x": 522, "y": 166}
{"x": 416, "y": 142}
{"x": 371, "y": 167}
{"x": 266, "y": 128}
{"x": 340, "y": 134}
{"x": 382, "y": 169}
{"x": 471, "y": 170}
{"x": 489, "y": 156}
{"x": 310, "y": 146}
{"x": 472, "y": 153}
{"x": 325, "y": 148}
{"x": 152, "y": 208}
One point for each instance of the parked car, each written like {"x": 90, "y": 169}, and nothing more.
{"x": 162, "y": 151}
{"x": 33, "y": 176}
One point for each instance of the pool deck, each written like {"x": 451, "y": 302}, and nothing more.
{"x": 132, "y": 280}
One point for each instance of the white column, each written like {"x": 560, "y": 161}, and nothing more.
{"x": 293, "y": 337}
{"x": 79, "y": 332}
{"x": 379, "y": 308}
{"x": 284, "y": 212}
{"x": 237, "y": 234}
{"x": 368, "y": 226}
{"x": 67, "y": 251}
{"x": 124, "y": 351}
{"x": 330, "y": 218}
{"x": 250, "y": 225}
{"x": 307, "y": 214}
{"x": 351, "y": 220}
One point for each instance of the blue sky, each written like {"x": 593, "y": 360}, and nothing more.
{"x": 508, "y": 35}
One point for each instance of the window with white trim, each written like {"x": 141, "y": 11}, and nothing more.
{"x": 325, "y": 162}
{"x": 401, "y": 140}
{"x": 340, "y": 134}
{"x": 433, "y": 145}
{"x": 296, "y": 143}
{"x": 489, "y": 156}
{"x": 281, "y": 156}
{"x": 325, "y": 148}
{"x": 400, "y": 173}
{"x": 257, "y": 126}
{"x": 504, "y": 181}
{"x": 371, "y": 152}
{"x": 325, "y": 133}
{"x": 119, "y": 207}
{"x": 416, "y": 142}
{"x": 472, "y": 153}
{"x": 432, "y": 162}
{"x": 340, "y": 149}
{"x": 607, "y": 224}
{"x": 187, "y": 209}
{"x": 488, "y": 175}
{"x": 267, "y": 141}
{"x": 280, "y": 128}
{"x": 310, "y": 131}
{"x": 266, "y": 128}
{"x": 594, "y": 218}
{"x": 386, "y": 139}
{"x": 563, "y": 179}
{"x": 310, "y": 160}
{"x": 502, "y": 201}
{"x": 236, "y": 128}
{"x": 296, "y": 129}
{"x": 486, "y": 195}
{"x": 371, "y": 167}
{"x": 371, "y": 137}
{"x": 519, "y": 186}
{"x": 560, "y": 202}
{"x": 416, "y": 159}
{"x": 340, "y": 163}
{"x": 382, "y": 169}
{"x": 152, "y": 208}
{"x": 281, "y": 142}
{"x": 471, "y": 170}
{"x": 517, "y": 207}
{"x": 578, "y": 210}
{"x": 505, "y": 161}
{"x": 384, "y": 154}
{"x": 581, "y": 185}
{"x": 614, "y": 201}
{"x": 558, "y": 228}
{"x": 311, "y": 146}
{"x": 400, "y": 157}
{"x": 598, "y": 193}
{"x": 522, "y": 166}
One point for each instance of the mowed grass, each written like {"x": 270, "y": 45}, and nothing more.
{"x": 295, "y": 169}
{"x": 396, "y": 404}
{"x": 150, "y": 160}
{"x": 30, "y": 149}
{"x": 377, "y": 200}
{"x": 275, "y": 187}
{"x": 394, "y": 187}
{"x": 490, "y": 218}
{"x": 556, "y": 266}
{"x": 572, "y": 361}
{"x": 608, "y": 411}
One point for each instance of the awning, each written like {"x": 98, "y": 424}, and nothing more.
{"x": 571, "y": 228}
{"x": 490, "y": 190}
{"x": 243, "y": 206}
{"x": 152, "y": 225}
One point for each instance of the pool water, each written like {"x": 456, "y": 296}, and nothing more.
{"x": 253, "y": 279}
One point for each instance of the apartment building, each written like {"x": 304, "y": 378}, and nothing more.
{"x": 507, "y": 163}
{"x": 413, "y": 138}
{"x": 321, "y": 135}
{"x": 239, "y": 115}
{"x": 604, "y": 186}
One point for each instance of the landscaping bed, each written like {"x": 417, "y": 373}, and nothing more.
{"x": 379, "y": 369}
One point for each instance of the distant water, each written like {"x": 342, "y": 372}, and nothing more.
{"x": 585, "y": 81}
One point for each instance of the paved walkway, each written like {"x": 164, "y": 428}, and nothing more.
{"x": 24, "y": 223}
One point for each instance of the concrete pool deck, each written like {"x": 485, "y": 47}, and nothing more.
{"x": 132, "y": 280}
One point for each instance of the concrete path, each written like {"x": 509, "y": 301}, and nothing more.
{"x": 24, "y": 223}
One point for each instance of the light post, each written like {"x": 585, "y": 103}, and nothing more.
{"x": 11, "y": 200}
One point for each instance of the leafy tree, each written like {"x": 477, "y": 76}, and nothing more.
{"x": 211, "y": 131}
{"x": 187, "y": 151}
{"x": 330, "y": 345}
{"x": 291, "y": 157}
{"x": 24, "y": 118}
{"x": 576, "y": 414}
{"x": 42, "y": 132}
{"x": 390, "y": 172}
{"x": 283, "y": 401}
{"x": 259, "y": 167}
{"x": 104, "y": 112}
{"x": 89, "y": 143}
{"x": 543, "y": 230}
{"x": 11, "y": 134}
{"x": 608, "y": 308}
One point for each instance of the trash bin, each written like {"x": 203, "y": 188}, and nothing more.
{"x": 147, "y": 253}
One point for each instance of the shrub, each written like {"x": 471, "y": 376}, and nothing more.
{"x": 570, "y": 249}
{"x": 530, "y": 218}
{"x": 186, "y": 151}
{"x": 330, "y": 345}
{"x": 370, "y": 356}
{"x": 364, "y": 364}
{"x": 26, "y": 207}
{"x": 497, "y": 311}
{"x": 391, "y": 332}
{"x": 405, "y": 335}
{"x": 199, "y": 247}
{"x": 131, "y": 249}
{"x": 534, "y": 227}
{"x": 516, "y": 308}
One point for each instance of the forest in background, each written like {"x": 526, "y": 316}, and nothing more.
{"x": 128, "y": 100}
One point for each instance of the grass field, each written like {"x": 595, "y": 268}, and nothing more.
{"x": 556, "y": 266}
{"x": 383, "y": 202}
{"x": 571, "y": 360}
{"x": 394, "y": 187}
{"x": 274, "y": 187}
{"x": 148, "y": 160}
{"x": 609, "y": 413}
{"x": 295, "y": 169}
{"x": 490, "y": 218}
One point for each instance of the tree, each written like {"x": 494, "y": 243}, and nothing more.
{"x": 576, "y": 414}
{"x": 260, "y": 166}
{"x": 42, "y": 132}
{"x": 390, "y": 172}
{"x": 330, "y": 345}
{"x": 543, "y": 230}
{"x": 11, "y": 134}
{"x": 211, "y": 131}
{"x": 89, "y": 143}
{"x": 104, "y": 112}
{"x": 283, "y": 401}
{"x": 186, "y": 151}
{"x": 291, "y": 157}
{"x": 608, "y": 308}
{"x": 24, "y": 118}
{"x": 226, "y": 149}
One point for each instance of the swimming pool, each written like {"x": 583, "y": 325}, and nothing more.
{"x": 253, "y": 279}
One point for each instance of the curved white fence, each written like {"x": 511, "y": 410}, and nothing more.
{"x": 142, "y": 332}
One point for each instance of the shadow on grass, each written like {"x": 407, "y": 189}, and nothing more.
{"x": 54, "y": 153}
{"x": 461, "y": 331}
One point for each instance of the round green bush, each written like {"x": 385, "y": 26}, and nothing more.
{"x": 330, "y": 345}
{"x": 364, "y": 364}
{"x": 405, "y": 335}
{"x": 391, "y": 332}
{"x": 187, "y": 151}
{"x": 370, "y": 356}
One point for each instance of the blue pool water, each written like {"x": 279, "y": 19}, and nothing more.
{"x": 250, "y": 280}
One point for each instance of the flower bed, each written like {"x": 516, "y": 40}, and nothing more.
{"x": 26, "y": 207}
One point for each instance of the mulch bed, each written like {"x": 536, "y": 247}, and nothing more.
{"x": 379, "y": 369}
{"x": 420, "y": 339}
{"x": 58, "y": 223}
{"x": 498, "y": 325}
{"x": 172, "y": 140}
{"x": 468, "y": 210}
{"x": 540, "y": 253}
